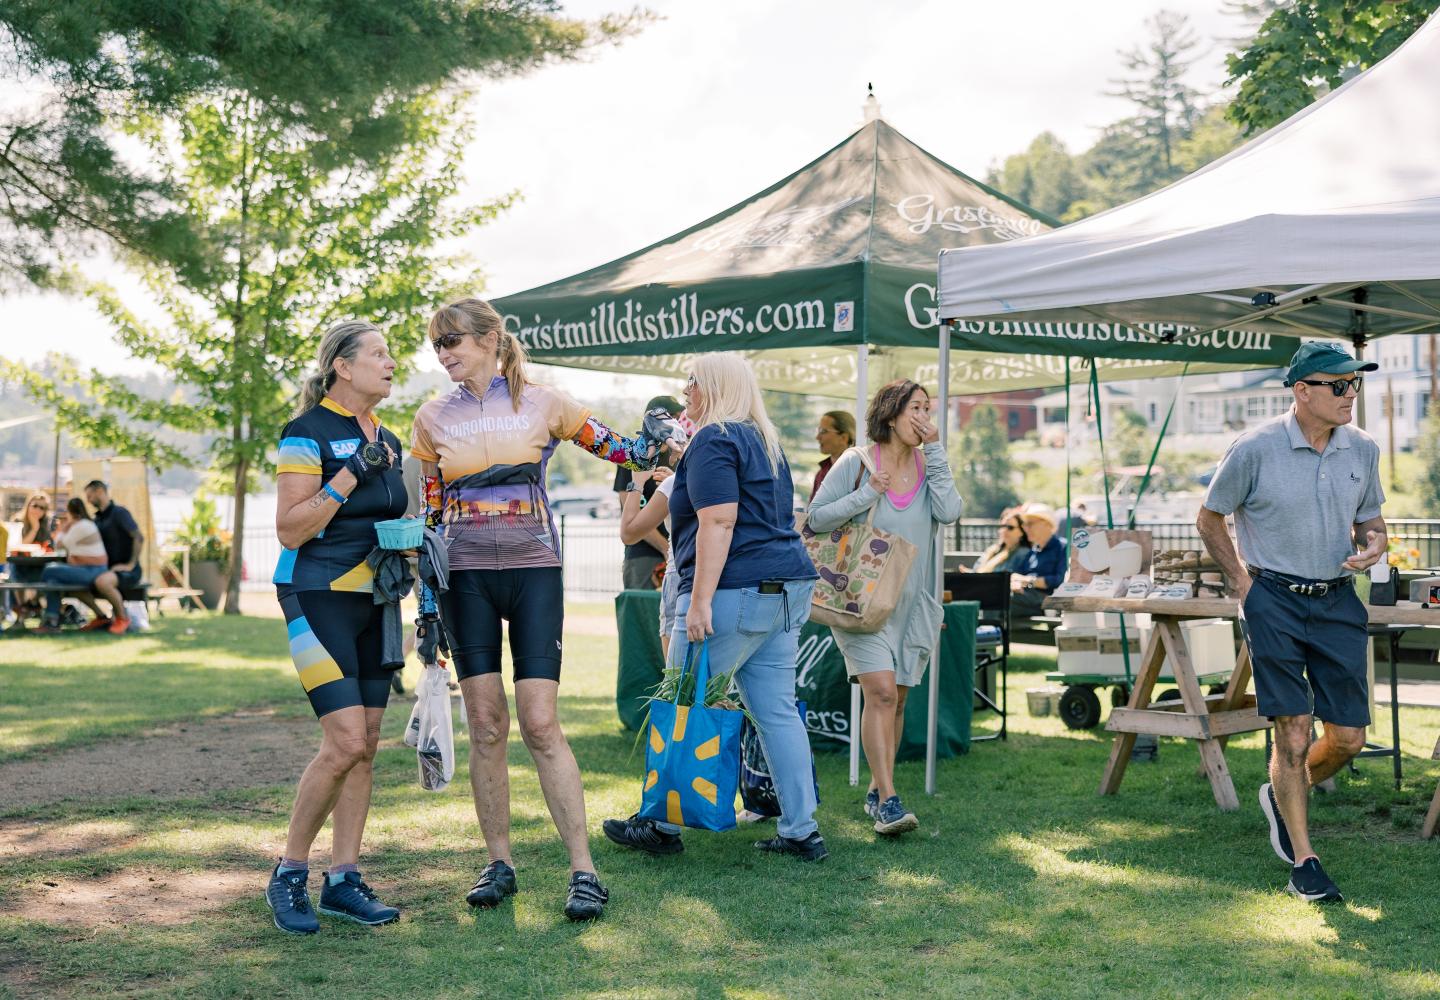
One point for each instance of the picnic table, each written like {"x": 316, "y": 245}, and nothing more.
{"x": 1209, "y": 720}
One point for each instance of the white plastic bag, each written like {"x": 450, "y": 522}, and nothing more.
{"x": 434, "y": 728}
{"x": 139, "y": 613}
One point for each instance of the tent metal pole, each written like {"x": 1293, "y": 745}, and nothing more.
{"x": 932, "y": 710}
{"x": 862, "y": 391}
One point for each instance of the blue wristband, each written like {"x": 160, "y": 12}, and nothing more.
{"x": 335, "y": 494}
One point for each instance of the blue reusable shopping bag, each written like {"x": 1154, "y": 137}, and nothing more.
{"x": 692, "y": 757}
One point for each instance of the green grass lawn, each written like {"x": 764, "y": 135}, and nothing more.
{"x": 1020, "y": 882}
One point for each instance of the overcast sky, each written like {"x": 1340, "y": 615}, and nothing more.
{"x": 716, "y": 101}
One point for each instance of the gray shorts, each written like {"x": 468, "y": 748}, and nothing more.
{"x": 669, "y": 592}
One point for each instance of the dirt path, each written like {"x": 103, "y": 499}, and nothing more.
{"x": 186, "y": 760}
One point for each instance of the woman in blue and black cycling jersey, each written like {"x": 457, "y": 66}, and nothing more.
{"x": 339, "y": 473}
{"x": 484, "y": 449}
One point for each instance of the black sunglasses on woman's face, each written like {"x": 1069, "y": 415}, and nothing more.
{"x": 446, "y": 341}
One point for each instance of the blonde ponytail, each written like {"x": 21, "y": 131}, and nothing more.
{"x": 512, "y": 365}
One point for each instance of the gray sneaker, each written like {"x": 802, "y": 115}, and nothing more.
{"x": 894, "y": 818}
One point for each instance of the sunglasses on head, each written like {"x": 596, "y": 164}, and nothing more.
{"x": 1338, "y": 386}
{"x": 447, "y": 341}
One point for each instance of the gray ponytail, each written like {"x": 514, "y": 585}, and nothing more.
{"x": 341, "y": 340}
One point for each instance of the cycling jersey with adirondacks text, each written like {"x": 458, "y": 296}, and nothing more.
{"x": 492, "y": 456}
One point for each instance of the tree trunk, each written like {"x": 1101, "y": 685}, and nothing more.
{"x": 237, "y": 540}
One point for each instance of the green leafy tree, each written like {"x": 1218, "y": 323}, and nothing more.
{"x": 338, "y": 70}
{"x": 297, "y": 239}
{"x": 1045, "y": 176}
{"x": 1302, "y": 50}
{"x": 1428, "y": 449}
{"x": 1129, "y": 438}
{"x": 983, "y": 467}
{"x": 1166, "y": 106}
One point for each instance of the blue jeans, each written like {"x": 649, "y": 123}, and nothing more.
{"x": 66, "y": 576}
{"x": 757, "y": 640}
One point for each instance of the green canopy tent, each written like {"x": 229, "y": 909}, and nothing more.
{"x": 826, "y": 281}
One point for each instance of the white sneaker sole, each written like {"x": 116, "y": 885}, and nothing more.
{"x": 1274, "y": 822}
{"x": 904, "y": 824}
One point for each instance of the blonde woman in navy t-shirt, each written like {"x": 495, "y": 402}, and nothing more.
{"x": 745, "y": 584}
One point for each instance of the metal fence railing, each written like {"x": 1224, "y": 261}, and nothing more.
{"x": 973, "y": 535}
{"x": 592, "y": 551}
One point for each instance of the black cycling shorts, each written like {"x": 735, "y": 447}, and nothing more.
{"x": 335, "y": 643}
{"x": 531, "y": 600}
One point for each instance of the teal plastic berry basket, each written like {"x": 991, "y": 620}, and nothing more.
{"x": 400, "y": 533}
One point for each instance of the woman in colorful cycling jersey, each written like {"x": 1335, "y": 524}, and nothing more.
{"x": 339, "y": 473}
{"x": 484, "y": 448}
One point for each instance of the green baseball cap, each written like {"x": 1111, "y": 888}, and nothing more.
{"x": 669, "y": 404}
{"x": 1324, "y": 356}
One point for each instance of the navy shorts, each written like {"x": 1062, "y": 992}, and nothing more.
{"x": 531, "y": 600}
{"x": 1292, "y": 636}
{"x": 335, "y": 642}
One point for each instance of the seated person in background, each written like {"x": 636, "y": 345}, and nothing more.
{"x": 123, "y": 541}
{"x": 1042, "y": 568}
{"x": 34, "y": 530}
{"x": 1010, "y": 548}
{"x": 85, "y": 560}
{"x": 835, "y": 434}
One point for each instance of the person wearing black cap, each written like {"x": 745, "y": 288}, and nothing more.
{"x": 644, "y": 557}
{"x": 1306, "y": 495}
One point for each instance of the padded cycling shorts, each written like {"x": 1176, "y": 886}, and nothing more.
{"x": 532, "y": 600}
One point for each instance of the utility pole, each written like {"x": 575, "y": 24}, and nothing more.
{"x": 1390, "y": 430}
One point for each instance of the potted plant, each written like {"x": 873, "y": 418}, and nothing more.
{"x": 209, "y": 547}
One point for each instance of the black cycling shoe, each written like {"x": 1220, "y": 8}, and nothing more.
{"x": 495, "y": 883}
{"x": 811, "y": 848}
{"x": 643, "y": 835}
{"x": 1279, "y": 835}
{"x": 352, "y": 899}
{"x": 289, "y": 900}
{"x": 587, "y": 897}
{"x": 1310, "y": 883}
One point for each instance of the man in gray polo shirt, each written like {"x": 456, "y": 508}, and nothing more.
{"x": 1305, "y": 492}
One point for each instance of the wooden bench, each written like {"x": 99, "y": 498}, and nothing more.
{"x": 139, "y": 592}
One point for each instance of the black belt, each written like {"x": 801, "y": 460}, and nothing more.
{"x": 1297, "y": 585}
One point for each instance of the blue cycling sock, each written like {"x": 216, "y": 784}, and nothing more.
{"x": 287, "y": 866}
{"x": 336, "y": 874}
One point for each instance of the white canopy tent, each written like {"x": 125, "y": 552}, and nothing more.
{"x": 1327, "y": 225}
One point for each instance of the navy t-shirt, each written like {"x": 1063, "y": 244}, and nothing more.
{"x": 117, "y": 529}
{"x": 727, "y": 463}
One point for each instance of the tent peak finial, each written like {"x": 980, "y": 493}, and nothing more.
{"x": 870, "y": 110}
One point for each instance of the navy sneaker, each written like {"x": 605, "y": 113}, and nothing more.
{"x": 1279, "y": 836}
{"x": 290, "y": 902}
{"x": 1310, "y": 883}
{"x": 872, "y": 803}
{"x": 495, "y": 883}
{"x": 352, "y": 899}
{"x": 643, "y": 835}
{"x": 811, "y": 848}
{"x": 893, "y": 818}
{"x": 587, "y": 897}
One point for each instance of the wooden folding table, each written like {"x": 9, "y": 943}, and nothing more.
{"x": 1209, "y": 720}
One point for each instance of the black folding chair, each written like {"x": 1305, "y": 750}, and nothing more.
{"x": 992, "y": 656}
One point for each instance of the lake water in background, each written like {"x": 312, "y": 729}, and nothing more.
{"x": 592, "y": 547}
